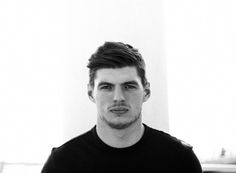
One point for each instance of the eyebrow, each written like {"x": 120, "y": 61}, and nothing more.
{"x": 130, "y": 83}
{"x": 125, "y": 83}
{"x": 104, "y": 83}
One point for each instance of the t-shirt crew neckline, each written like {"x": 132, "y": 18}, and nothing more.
{"x": 107, "y": 147}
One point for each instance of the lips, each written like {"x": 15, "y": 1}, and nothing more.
{"x": 119, "y": 110}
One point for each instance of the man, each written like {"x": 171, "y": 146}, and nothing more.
{"x": 120, "y": 142}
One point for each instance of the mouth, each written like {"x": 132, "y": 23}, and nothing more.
{"x": 119, "y": 110}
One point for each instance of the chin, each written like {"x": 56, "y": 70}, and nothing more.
{"x": 119, "y": 126}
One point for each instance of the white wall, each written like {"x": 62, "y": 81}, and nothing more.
{"x": 89, "y": 25}
{"x": 32, "y": 50}
{"x": 45, "y": 46}
{"x": 200, "y": 50}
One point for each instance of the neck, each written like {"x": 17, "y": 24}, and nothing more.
{"x": 120, "y": 138}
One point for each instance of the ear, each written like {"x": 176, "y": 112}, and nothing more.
{"x": 90, "y": 93}
{"x": 147, "y": 92}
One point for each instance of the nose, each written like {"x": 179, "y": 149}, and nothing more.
{"x": 118, "y": 95}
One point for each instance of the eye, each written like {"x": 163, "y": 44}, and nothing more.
{"x": 128, "y": 87}
{"x": 105, "y": 87}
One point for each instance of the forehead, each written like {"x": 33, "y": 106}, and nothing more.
{"x": 117, "y": 75}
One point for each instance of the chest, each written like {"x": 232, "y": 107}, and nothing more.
{"x": 132, "y": 162}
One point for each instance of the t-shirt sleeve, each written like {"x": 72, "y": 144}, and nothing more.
{"x": 191, "y": 162}
{"x": 49, "y": 166}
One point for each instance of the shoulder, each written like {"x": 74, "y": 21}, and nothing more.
{"x": 74, "y": 144}
{"x": 180, "y": 151}
{"x": 66, "y": 157}
{"x": 166, "y": 139}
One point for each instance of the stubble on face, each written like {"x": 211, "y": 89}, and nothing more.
{"x": 120, "y": 125}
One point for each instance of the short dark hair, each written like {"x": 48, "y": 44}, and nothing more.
{"x": 116, "y": 55}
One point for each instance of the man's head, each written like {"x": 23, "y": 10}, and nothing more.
{"x": 118, "y": 85}
{"x": 116, "y": 55}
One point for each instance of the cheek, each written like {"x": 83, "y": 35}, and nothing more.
{"x": 102, "y": 100}
{"x": 136, "y": 99}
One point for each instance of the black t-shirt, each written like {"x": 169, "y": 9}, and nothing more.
{"x": 155, "y": 152}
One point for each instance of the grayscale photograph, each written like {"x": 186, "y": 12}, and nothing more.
{"x": 105, "y": 86}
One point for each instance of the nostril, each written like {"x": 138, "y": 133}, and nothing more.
{"x": 119, "y": 98}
